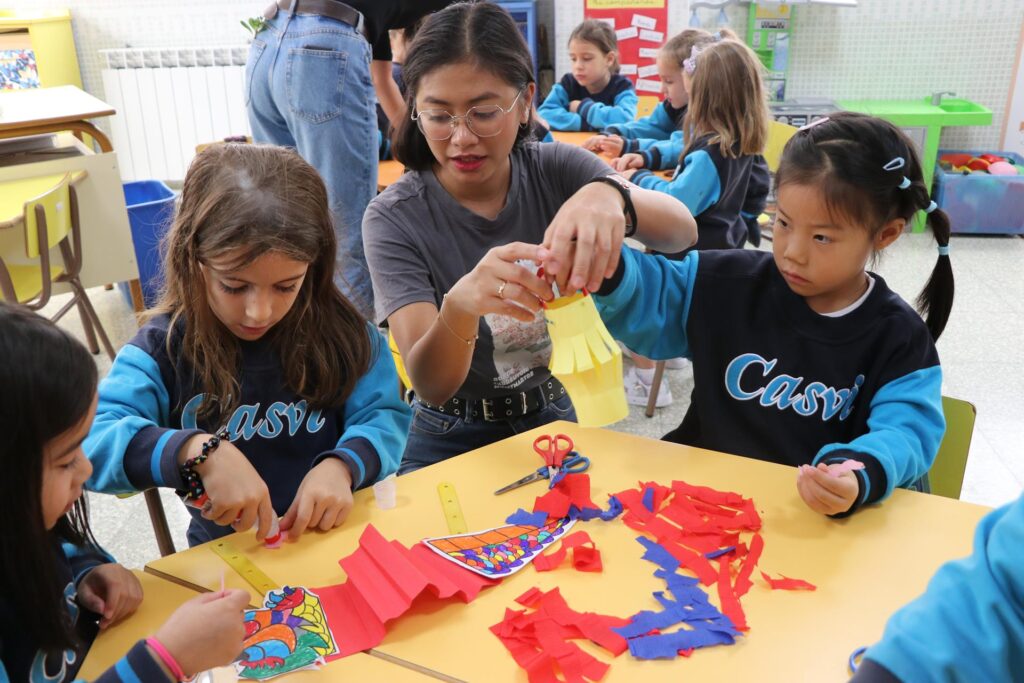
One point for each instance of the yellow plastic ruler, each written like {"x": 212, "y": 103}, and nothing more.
{"x": 245, "y": 567}
{"x": 452, "y": 509}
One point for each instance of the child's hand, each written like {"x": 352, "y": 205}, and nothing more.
{"x": 111, "y": 591}
{"x": 628, "y": 161}
{"x": 595, "y": 143}
{"x": 628, "y": 173}
{"x": 574, "y": 106}
{"x": 825, "y": 492}
{"x": 207, "y": 631}
{"x": 612, "y": 145}
{"x": 323, "y": 500}
{"x": 584, "y": 238}
{"x": 238, "y": 495}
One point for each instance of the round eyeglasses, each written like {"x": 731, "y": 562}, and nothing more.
{"x": 483, "y": 121}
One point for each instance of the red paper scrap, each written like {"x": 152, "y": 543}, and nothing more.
{"x": 577, "y": 487}
{"x": 554, "y": 502}
{"x": 788, "y": 584}
{"x": 729, "y": 603}
{"x": 743, "y": 582}
{"x": 584, "y": 559}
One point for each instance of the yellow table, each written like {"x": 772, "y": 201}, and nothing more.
{"x": 162, "y": 598}
{"x": 388, "y": 172}
{"x": 865, "y": 567}
{"x": 572, "y": 137}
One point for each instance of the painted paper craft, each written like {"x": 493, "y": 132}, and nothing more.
{"x": 586, "y": 359}
{"x": 290, "y": 633}
{"x": 500, "y": 552}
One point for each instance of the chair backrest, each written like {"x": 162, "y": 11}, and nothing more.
{"x": 778, "y": 135}
{"x": 947, "y": 473}
{"x": 54, "y": 206}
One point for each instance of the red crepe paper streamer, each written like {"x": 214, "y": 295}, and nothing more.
{"x": 384, "y": 579}
{"x": 788, "y": 584}
{"x": 584, "y": 559}
{"x": 539, "y": 640}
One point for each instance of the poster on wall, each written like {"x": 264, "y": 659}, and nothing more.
{"x": 18, "y": 69}
{"x": 641, "y": 28}
{"x": 1013, "y": 133}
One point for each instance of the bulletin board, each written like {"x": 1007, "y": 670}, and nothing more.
{"x": 641, "y": 29}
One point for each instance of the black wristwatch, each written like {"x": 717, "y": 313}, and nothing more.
{"x": 622, "y": 185}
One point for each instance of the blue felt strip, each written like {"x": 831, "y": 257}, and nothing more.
{"x": 657, "y": 554}
{"x": 718, "y": 553}
{"x": 648, "y": 499}
{"x": 525, "y": 518}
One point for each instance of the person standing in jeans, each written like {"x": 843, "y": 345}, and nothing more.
{"x": 309, "y": 84}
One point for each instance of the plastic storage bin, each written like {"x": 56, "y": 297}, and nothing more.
{"x": 979, "y": 202}
{"x": 150, "y": 210}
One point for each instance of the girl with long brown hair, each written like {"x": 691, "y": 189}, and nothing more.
{"x": 255, "y": 387}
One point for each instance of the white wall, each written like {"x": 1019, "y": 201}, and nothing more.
{"x": 883, "y": 49}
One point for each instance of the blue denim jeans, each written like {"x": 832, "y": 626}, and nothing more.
{"x": 435, "y": 436}
{"x": 308, "y": 86}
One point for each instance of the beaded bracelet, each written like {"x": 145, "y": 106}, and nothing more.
{"x": 193, "y": 482}
{"x": 166, "y": 657}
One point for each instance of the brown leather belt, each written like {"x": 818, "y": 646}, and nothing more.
{"x": 332, "y": 9}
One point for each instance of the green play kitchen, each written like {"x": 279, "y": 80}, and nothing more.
{"x": 923, "y": 120}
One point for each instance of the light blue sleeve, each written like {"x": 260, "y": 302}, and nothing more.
{"x": 657, "y": 126}
{"x": 649, "y": 307}
{"x": 598, "y": 115}
{"x": 660, "y": 155}
{"x": 696, "y": 184}
{"x": 969, "y": 624}
{"x": 83, "y": 560}
{"x": 130, "y": 445}
{"x": 905, "y": 427}
{"x": 376, "y": 421}
{"x": 555, "y": 110}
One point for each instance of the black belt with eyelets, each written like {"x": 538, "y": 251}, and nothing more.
{"x": 505, "y": 407}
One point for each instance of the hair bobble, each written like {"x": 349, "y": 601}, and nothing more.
{"x": 943, "y": 250}
{"x": 931, "y": 206}
{"x": 905, "y": 183}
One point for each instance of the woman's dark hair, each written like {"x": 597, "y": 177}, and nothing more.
{"x": 482, "y": 33}
{"x": 49, "y": 381}
{"x": 854, "y": 160}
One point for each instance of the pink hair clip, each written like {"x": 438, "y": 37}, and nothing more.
{"x": 690, "y": 63}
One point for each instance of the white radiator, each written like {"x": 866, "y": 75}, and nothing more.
{"x": 169, "y": 100}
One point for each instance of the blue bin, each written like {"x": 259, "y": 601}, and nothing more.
{"x": 980, "y": 203}
{"x": 150, "y": 210}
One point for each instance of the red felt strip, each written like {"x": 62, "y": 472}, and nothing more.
{"x": 788, "y": 584}
{"x": 584, "y": 559}
{"x": 729, "y": 603}
{"x": 695, "y": 562}
{"x": 577, "y": 487}
{"x": 554, "y": 502}
{"x": 743, "y": 582}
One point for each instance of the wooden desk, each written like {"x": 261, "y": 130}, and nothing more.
{"x": 163, "y": 597}
{"x": 52, "y": 110}
{"x": 388, "y": 172}
{"x": 865, "y": 567}
{"x": 572, "y": 137}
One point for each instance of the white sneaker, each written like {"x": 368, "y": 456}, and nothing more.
{"x": 638, "y": 393}
{"x": 677, "y": 363}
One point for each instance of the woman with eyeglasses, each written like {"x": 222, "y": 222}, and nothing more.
{"x": 453, "y": 246}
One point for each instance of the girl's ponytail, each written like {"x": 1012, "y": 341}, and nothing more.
{"x": 935, "y": 302}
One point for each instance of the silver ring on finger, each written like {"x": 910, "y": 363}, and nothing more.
{"x": 501, "y": 289}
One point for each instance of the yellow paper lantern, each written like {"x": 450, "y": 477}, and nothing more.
{"x": 586, "y": 359}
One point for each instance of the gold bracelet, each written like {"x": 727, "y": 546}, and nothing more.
{"x": 468, "y": 342}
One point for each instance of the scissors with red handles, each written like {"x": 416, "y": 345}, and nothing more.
{"x": 559, "y": 459}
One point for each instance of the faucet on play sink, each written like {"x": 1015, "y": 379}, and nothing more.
{"x": 937, "y": 97}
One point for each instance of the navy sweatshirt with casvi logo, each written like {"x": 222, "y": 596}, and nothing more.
{"x": 147, "y": 411}
{"x": 776, "y": 381}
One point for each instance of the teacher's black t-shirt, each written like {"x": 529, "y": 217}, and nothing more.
{"x": 383, "y": 15}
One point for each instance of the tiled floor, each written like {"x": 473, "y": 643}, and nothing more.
{"x": 979, "y": 352}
